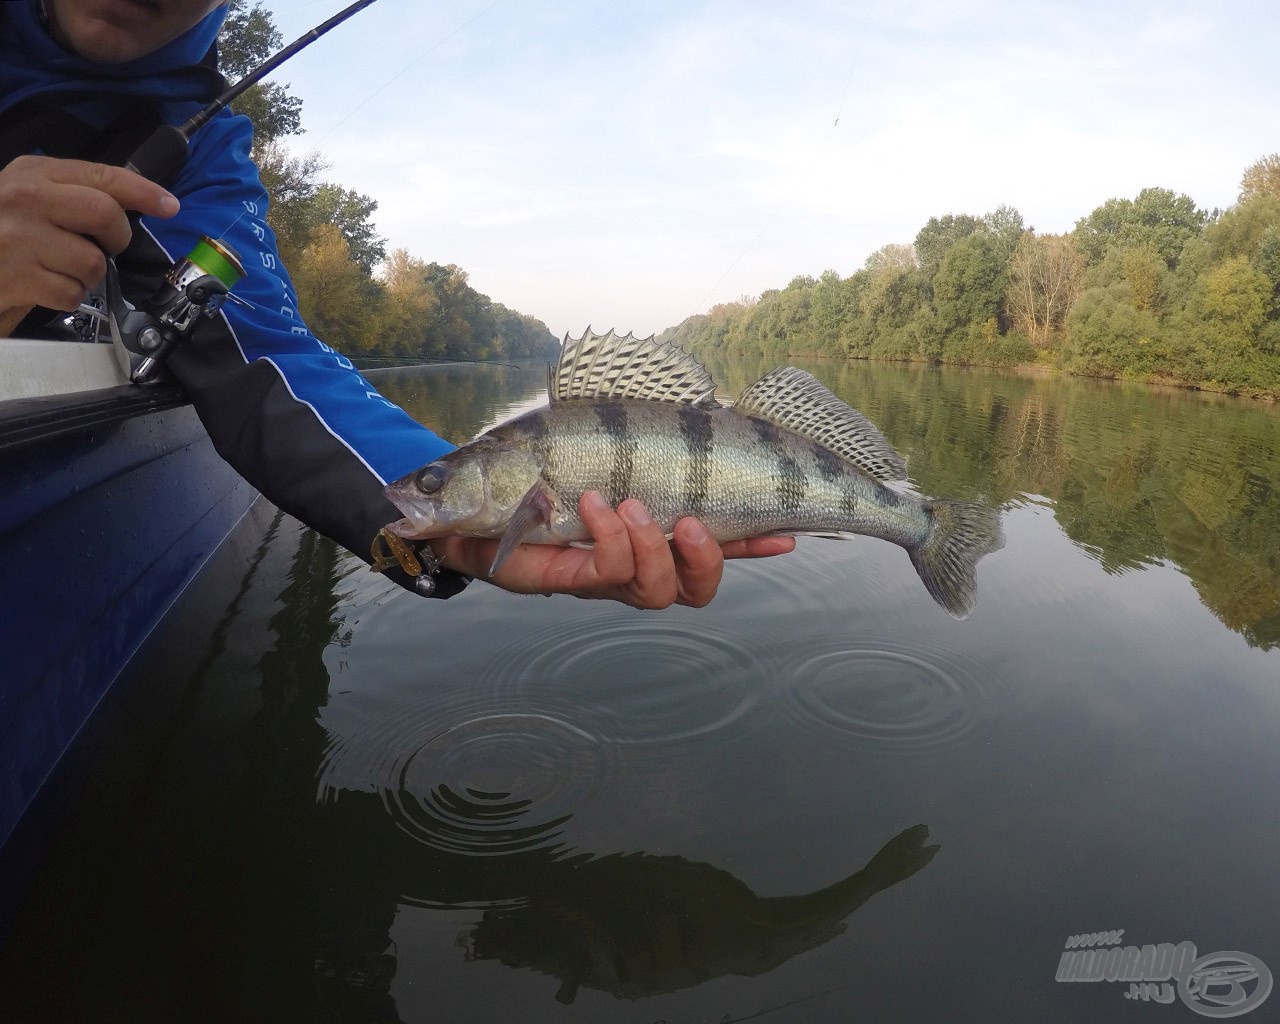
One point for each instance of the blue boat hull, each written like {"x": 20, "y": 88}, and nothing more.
{"x": 111, "y": 502}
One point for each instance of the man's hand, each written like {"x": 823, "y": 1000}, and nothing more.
{"x": 58, "y": 219}
{"x": 631, "y": 561}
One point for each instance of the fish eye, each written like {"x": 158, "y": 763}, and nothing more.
{"x": 432, "y": 478}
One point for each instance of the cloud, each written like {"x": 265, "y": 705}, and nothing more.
{"x": 613, "y": 163}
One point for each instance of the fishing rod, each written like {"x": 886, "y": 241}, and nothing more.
{"x": 199, "y": 283}
{"x": 166, "y": 150}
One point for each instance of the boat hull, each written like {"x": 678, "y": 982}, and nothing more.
{"x": 110, "y": 502}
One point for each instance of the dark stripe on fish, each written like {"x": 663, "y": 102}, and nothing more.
{"x": 791, "y": 484}
{"x": 613, "y": 418}
{"x": 538, "y": 434}
{"x": 768, "y": 433}
{"x": 698, "y": 434}
{"x": 789, "y": 481}
{"x": 830, "y": 467}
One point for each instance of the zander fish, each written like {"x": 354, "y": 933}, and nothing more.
{"x": 634, "y": 419}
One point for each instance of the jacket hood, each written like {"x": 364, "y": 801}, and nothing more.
{"x": 32, "y": 61}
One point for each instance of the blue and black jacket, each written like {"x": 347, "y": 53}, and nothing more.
{"x": 289, "y": 413}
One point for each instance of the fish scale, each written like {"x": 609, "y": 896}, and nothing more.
{"x": 633, "y": 419}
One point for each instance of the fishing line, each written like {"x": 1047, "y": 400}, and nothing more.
{"x": 165, "y": 151}
{"x": 751, "y": 244}
{"x": 853, "y": 66}
{"x": 261, "y": 195}
{"x": 276, "y": 61}
{"x": 405, "y": 70}
{"x": 804, "y": 174}
{"x": 260, "y": 72}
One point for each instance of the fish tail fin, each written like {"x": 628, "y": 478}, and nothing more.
{"x": 961, "y": 532}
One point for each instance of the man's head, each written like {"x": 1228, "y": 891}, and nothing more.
{"x": 116, "y": 31}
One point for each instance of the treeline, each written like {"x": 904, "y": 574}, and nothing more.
{"x": 1151, "y": 288}
{"x": 409, "y": 309}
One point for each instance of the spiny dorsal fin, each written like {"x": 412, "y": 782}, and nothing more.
{"x": 796, "y": 400}
{"x": 611, "y": 366}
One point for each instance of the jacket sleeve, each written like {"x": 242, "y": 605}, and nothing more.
{"x": 290, "y": 414}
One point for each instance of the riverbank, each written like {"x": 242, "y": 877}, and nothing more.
{"x": 1048, "y": 368}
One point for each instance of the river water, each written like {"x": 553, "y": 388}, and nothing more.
{"x": 317, "y": 797}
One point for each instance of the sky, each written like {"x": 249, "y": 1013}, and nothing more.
{"x": 626, "y": 165}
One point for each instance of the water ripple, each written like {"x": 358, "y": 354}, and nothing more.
{"x": 475, "y": 781}
{"x": 877, "y": 694}
{"x": 638, "y": 679}
{"x": 495, "y": 784}
{"x": 567, "y": 720}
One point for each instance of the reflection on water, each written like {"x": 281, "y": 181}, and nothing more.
{"x": 459, "y": 400}
{"x": 344, "y": 803}
{"x": 633, "y": 925}
{"x": 636, "y": 925}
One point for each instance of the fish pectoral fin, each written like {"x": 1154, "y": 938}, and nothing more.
{"x": 535, "y": 510}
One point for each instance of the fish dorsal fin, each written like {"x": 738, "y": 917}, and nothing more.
{"x": 612, "y": 366}
{"x": 796, "y": 400}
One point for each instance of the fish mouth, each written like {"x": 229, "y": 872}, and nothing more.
{"x": 419, "y": 522}
{"x": 410, "y": 529}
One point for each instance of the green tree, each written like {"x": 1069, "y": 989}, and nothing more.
{"x": 939, "y": 235}
{"x": 350, "y": 211}
{"x": 970, "y": 285}
{"x": 1225, "y": 336}
{"x": 1267, "y": 262}
{"x": 1261, "y": 178}
{"x": 1149, "y": 287}
{"x": 756, "y": 334}
{"x": 829, "y": 310}
{"x": 890, "y": 304}
{"x": 1143, "y": 271}
{"x": 248, "y": 38}
{"x": 1005, "y": 226}
{"x": 1241, "y": 229}
{"x": 1232, "y": 304}
{"x": 450, "y": 328}
{"x": 1157, "y": 218}
{"x": 1108, "y": 334}
{"x": 892, "y": 256}
{"x": 789, "y": 328}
